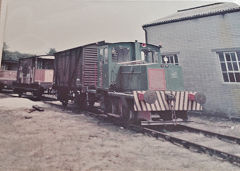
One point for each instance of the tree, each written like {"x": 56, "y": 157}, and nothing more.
{"x": 12, "y": 56}
{"x": 5, "y": 46}
{"x": 51, "y": 51}
{"x": 4, "y": 50}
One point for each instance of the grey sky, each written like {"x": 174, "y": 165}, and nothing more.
{"x": 34, "y": 26}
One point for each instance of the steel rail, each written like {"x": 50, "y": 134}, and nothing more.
{"x": 211, "y": 134}
{"x": 190, "y": 145}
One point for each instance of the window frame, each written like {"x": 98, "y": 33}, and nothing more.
{"x": 173, "y": 55}
{"x": 117, "y": 58}
{"x": 226, "y": 63}
{"x": 149, "y": 59}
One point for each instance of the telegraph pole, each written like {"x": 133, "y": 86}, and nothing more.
{"x": 3, "y": 11}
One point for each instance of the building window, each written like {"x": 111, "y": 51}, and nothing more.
{"x": 172, "y": 59}
{"x": 230, "y": 65}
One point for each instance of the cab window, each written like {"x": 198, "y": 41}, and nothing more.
{"x": 120, "y": 54}
{"x": 172, "y": 59}
{"x": 155, "y": 56}
{"x": 149, "y": 56}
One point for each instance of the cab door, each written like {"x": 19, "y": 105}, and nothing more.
{"x": 103, "y": 67}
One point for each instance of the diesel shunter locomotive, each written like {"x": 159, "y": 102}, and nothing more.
{"x": 129, "y": 80}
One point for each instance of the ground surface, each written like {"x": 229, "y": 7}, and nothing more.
{"x": 65, "y": 140}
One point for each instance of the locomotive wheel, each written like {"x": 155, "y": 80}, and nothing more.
{"x": 1, "y": 87}
{"x": 20, "y": 94}
{"x": 81, "y": 101}
{"x": 38, "y": 93}
{"x": 91, "y": 104}
{"x": 128, "y": 115}
{"x": 91, "y": 101}
{"x": 64, "y": 103}
{"x": 107, "y": 104}
{"x": 18, "y": 91}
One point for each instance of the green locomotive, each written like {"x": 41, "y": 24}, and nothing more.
{"x": 129, "y": 80}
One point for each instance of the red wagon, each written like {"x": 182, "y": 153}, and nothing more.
{"x": 7, "y": 77}
{"x": 35, "y": 75}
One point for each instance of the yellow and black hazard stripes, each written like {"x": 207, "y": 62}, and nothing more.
{"x": 182, "y": 103}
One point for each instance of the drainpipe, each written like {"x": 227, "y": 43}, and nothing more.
{"x": 146, "y": 38}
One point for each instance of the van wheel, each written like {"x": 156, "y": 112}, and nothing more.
{"x": 20, "y": 94}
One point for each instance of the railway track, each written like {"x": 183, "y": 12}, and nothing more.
{"x": 157, "y": 132}
{"x": 227, "y": 138}
{"x": 170, "y": 133}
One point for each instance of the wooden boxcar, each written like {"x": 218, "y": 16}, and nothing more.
{"x": 75, "y": 69}
{"x": 35, "y": 75}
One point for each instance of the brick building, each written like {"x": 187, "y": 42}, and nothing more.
{"x": 205, "y": 41}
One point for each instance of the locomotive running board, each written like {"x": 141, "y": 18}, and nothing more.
{"x": 145, "y": 123}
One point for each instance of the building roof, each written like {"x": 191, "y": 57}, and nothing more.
{"x": 46, "y": 57}
{"x": 197, "y": 12}
{"x": 90, "y": 44}
{"x": 39, "y": 57}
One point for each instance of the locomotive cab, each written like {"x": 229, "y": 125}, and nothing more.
{"x": 129, "y": 66}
